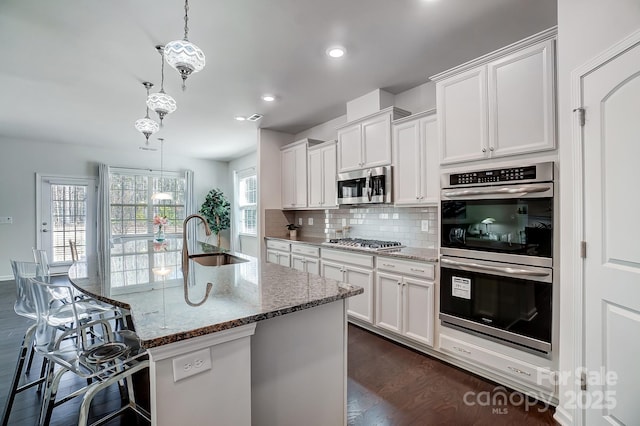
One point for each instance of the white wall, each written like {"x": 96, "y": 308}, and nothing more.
{"x": 417, "y": 99}
{"x": 420, "y": 98}
{"x": 585, "y": 28}
{"x": 243, "y": 243}
{"x": 20, "y": 160}
{"x": 325, "y": 131}
{"x": 269, "y": 186}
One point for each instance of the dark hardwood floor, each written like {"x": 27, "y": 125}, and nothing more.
{"x": 388, "y": 384}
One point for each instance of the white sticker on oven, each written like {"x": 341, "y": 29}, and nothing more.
{"x": 461, "y": 287}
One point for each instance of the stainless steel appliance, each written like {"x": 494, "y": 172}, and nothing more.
{"x": 373, "y": 245}
{"x": 497, "y": 238}
{"x": 367, "y": 186}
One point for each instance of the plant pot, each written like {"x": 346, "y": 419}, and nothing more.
{"x": 293, "y": 233}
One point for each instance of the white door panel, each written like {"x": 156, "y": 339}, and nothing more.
{"x": 611, "y": 98}
{"x": 66, "y": 211}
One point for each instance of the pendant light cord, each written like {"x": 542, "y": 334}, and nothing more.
{"x": 161, "y": 70}
{"x": 186, "y": 19}
{"x": 147, "y": 116}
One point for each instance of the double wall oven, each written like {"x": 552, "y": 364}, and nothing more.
{"x": 497, "y": 235}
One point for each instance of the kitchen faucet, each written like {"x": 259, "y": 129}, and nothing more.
{"x": 185, "y": 259}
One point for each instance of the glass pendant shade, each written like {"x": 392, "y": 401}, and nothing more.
{"x": 147, "y": 126}
{"x": 185, "y": 57}
{"x": 161, "y": 103}
{"x": 182, "y": 55}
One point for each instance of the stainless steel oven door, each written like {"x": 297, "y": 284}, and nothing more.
{"x": 507, "y": 223}
{"x": 512, "y": 303}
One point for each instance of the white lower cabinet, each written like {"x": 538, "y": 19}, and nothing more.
{"x": 305, "y": 258}
{"x": 340, "y": 265}
{"x": 274, "y": 256}
{"x": 405, "y": 304}
{"x": 279, "y": 252}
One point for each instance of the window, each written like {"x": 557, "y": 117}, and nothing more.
{"x": 132, "y": 208}
{"x": 135, "y": 258}
{"x": 247, "y": 202}
{"x": 68, "y": 220}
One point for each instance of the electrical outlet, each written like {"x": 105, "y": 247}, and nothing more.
{"x": 310, "y": 221}
{"x": 300, "y": 221}
{"x": 190, "y": 364}
{"x": 425, "y": 226}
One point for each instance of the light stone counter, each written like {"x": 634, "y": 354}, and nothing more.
{"x": 242, "y": 293}
{"x": 408, "y": 253}
{"x": 267, "y": 346}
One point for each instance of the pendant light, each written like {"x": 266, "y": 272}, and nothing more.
{"x": 160, "y": 102}
{"x": 160, "y": 195}
{"x": 182, "y": 55}
{"x": 145, "y": 125}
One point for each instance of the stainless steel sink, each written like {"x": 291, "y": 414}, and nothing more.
{"x": 216, "y": 259}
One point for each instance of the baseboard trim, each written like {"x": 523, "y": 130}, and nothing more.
{"x": 563, "y": 417}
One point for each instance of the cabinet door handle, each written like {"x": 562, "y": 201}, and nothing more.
{"x": 490, "y": 148}
{"x": 484, "y": 149}
{"x": 417, "y": 270}
{"x": 517, "y": 370}
{"x": 462, "y": 350}
{"x": 399, "y": 283}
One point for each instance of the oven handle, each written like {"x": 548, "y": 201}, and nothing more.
{"x": 504, "y": 270}
{"x": 522, "y": 190}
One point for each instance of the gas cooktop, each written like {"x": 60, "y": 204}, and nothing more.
{"x": 373, "y": 245}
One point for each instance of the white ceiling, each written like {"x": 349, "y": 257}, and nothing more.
{"x": 71, "y": 70}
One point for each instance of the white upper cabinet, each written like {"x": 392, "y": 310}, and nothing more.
{"x": 462, "y": 109}
{"x": 521, "y": 101}
{"x": 367, "y": 142}
{"x": 322, "y": 176}
{"x": 294, "y": 174}
{"x": 415, "y": 158}
{"x": 499, "y": 105}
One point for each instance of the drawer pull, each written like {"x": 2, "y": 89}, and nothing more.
{"x": 517, "y": 370}
{"x": 417, "y": 270}
{"x": 389, "y": 265}
{"x": 463, "y": 350}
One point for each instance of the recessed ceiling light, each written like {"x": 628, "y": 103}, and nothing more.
{"x": 336, "y": 51}
{"x": 240, "y": 118}
{"x": 268, "y": 98}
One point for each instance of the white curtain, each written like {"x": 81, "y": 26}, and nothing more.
{"x": 103, "y": 217}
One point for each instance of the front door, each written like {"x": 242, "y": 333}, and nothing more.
{"x": 66, "y": 212}
{"x": 611, "y": 101}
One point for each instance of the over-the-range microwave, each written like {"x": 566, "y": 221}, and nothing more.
{"x": 366, "y": 186}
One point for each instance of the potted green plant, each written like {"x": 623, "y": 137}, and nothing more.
{"x": 216, "y": 209}
{"x": 293, "y": 230}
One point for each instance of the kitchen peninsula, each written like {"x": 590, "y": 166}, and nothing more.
{"x": 266, "y": 346}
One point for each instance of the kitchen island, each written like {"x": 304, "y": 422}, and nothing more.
{"x": 267, "y": 345}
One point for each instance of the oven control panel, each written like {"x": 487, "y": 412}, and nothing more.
{"x": 512, "y": 174}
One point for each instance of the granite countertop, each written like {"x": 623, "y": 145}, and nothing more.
{"x": 408, "y": 253}
{"x": 242, "y": 293}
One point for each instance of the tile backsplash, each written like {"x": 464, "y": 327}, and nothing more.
{"x": 403, "y": 224}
